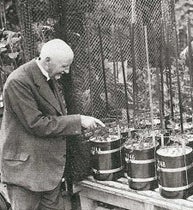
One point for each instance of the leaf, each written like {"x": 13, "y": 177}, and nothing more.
{"x": 3, "y": 44}
{"x": 9, "y": 35}
{"x": 3, "y": 49}
{"x": 7, "y": 69}
{"x": 15, "y": 39}
{"x": 8, "y": 4}
{"x": 13, "y": 55}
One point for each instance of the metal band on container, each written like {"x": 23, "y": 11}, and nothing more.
{"x": 175, "y": 169}
{"x": 171, "y": 189}
{"x": 107, "y": 171}
{"x": 109, "y": 151}
{"x": 142, "y": 161}
{"x": 149, "y": 179}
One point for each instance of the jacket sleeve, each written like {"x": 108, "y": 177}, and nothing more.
{"x": 19, "y": 99}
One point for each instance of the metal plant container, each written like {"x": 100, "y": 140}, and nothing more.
{"x": 175, "y": 169}
{"x": 141, "y": 166}
{"x": 107, "y": 157}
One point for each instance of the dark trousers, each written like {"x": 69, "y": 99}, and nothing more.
{"x": 23, "y": 199}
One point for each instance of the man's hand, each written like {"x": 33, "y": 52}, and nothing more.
{"x": 90, "y": 123}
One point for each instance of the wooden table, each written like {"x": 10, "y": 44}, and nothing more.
{"x": 120, "y": 195}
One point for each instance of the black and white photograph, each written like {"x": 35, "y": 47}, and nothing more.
{"x": 96, "y": 104}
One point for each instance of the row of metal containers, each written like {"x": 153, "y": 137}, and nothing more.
{"x": 169, "y": 168}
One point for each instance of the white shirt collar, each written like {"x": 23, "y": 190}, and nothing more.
{"x": 44, "y": 72}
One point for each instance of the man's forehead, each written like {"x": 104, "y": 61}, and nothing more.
{"x": 64, "y": 61}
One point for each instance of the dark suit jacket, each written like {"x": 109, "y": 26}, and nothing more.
{"x": 33, "y": 131}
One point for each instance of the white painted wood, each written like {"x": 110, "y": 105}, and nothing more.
{"x": 120, "y": 195}
{"x": 87, "y": 203}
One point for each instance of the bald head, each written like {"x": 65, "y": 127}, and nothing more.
{"x": 56, "y": 57}
{"x": 55, "y": 48}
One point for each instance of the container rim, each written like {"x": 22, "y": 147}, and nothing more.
{"x": 118, "y": 138}
{"x": 174, "y": 146}
{"x": 147, "y": 148}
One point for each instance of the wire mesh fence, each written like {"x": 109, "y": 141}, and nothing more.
{"x": 110, "y": 68}
{"x": 110, "y": 49}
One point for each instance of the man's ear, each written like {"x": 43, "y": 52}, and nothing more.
{"x": 47, "y": 59}
{"x": 47, "y": 63}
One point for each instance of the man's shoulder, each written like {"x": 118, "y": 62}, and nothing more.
{"x": 27, "y": 65}
{"x": 21, "y": 74}
{"x": 22, "y": 71}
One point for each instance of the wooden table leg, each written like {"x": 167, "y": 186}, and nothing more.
{"x": 67, "y": 202}
{"x": 86, "y": 203}
{"x": 148, "y": 206}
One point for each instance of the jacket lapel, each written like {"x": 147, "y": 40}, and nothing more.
{"x": 44, "y": 88}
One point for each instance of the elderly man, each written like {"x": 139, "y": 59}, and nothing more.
{"x": 34, "y": 127}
